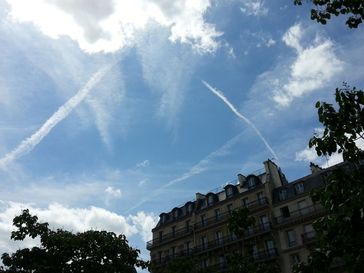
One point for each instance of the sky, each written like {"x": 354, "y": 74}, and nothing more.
{"x": 115, "y": 111}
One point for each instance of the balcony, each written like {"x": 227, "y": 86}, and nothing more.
{"x": 261, "y": 229}
{"x": 299, "y": 215}
{"x": 265, "y": 255}
{"x": 214, "y": 244}
{"x": 262, "y": 202}
{"x": 169, "y": 237}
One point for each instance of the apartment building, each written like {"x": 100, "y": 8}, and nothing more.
{"x": 283, "y": 232}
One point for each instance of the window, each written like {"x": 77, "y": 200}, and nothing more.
{"x": 291, "y": 238}
{"x": 251, "y": 182}
{"x": 245, "y": 202}
{"x": 219, "y": 237}
{"x": 217, "y": 214}
{"x": 260, "y": 197}
{"x": 282, "y": 194}
{"x": 255, "y": 251}
{"x": 160, "y": 256}
{"x": 175, "y": 213}
{"x": 188, "y": 225}
{"x": 173, "y": 251}
{"x": 203, "y": 220}
{"x": 189, "y": 208}
{"x": 210, "y": 199}
{"x": 188, "y": 247}
{"x": 173, "y": 231}
{"x": 269, "y": 246}
{"x": 229, "y": 191}
{"x": 205, "y": 263}
{"x": 299, "y": 188}
{"x": 295, "y": 259}
{"x": 309, "y": 232}
{"x": 160, "y": 236}
{"x": 302, "y": 207}
{"x": 221, "y": 261}
{"x": 230, "y": 208}
{"x": 204, "y": 242}
{"x": 264, "y": 221}
{"x": 285, "y": 212}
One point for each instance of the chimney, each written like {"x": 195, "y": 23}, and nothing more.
{"x": 315, "y": 168}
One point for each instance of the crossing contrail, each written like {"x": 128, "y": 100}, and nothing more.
{"x": 198, "y": 168}
{"x": 236, "y": 112}
{"x": 29, "y": 143}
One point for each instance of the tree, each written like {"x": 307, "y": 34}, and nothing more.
{"x": 326, "y": 8}
{"x": 340, "y": 233}
{"x": 61, "y": 251}
{"x": 238, "y": 223}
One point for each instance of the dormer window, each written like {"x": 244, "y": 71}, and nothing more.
{"x": 299, "y": 188}
{"x": 175, "y": 213}
{"x": 189, "y": 207}
{"x": 283, "y": 194}
{"x": 229, "y": 191}
{"x": 210, "y": 199}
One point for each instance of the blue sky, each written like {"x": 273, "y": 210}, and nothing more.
{"x": 106, "y": 120}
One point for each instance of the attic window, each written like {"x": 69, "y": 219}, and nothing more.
{"x": 210, "y": 199}
{"x": 189, "y": 208}
{"x": 176, "y": 213}
{"x": 252, "y": 181}
{"x": 229, "y": 191}
{"x": 283, "y": 194}
{"x": 299, "y": 188}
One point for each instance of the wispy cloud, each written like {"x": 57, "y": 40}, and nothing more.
{"x": 254, "y": 8}
{"x": 28, "y": 144}
{"x": 200, "y": 167}
{"x": 220, "y": 95}
{"x": 143, "y": 164}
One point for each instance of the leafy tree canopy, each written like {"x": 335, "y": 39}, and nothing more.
{"x": 239, "y": 221}
{"x": 326, "y": 8}
{"x": 63, "y": 251}
{"x": 340, "y": 233}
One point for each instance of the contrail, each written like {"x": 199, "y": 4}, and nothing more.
{"x": 228, "y": 103}
{"x": 198, "y": 168}
{"x": 29, "y": 143}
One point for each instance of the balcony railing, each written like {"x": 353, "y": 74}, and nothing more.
{"x": 169, "y": 236}
{"x": 265, "y": 255}
{"x": 266, "y": 227}
{"x": 205, "y": 223}
{"x": 223, "y": 216}
{"x": 314, "y": 210}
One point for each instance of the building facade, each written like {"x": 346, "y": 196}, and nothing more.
{"x": 283, "y": 214}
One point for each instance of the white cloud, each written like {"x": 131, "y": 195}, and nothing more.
{"x": 314, "y": 67}
{"x": 143, "y": 164}
{"x": 144, "y": 223}
{"x": 310, "y": 155}
{"x": 74, "y": 219}
{"x": 111, "y": 25}
{"x": 254, "y": 7}
{"x": 114, "y": 193}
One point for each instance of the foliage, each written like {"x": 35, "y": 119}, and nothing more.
{"x": 183, "y": 265}
{"x": 325, "y": 8}
{"x": 340, "y": 233}
{"x": 240, "y": 263}
{"x": 63, "y": 251}
{"x": 343, "y": 126}
{"x": 239, "y": 221}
